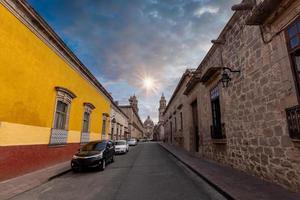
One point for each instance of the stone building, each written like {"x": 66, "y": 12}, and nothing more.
{"x": 148, "y": 127}
{"x": 118, "y": 123}
{"x": 50, "y": 103}
{"x": 175, "y": 128}
{"x": 240, "y": 107}
{"x": 135, "y": 125}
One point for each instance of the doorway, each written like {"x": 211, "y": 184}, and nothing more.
{"x": 195, "y": 125}
{"x": 171, "y": 133}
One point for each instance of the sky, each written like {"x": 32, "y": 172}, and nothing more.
{"x": 124, "y": 41}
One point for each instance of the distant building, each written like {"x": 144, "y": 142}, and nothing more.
{"x": 118, "y": 123}
{"x": 135, "y": 125}
{"x": 148, "y": 127}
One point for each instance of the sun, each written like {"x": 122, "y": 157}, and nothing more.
{"x": 148, "y": 83}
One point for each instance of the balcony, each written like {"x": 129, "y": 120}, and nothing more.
{"x": 218, "y": 134}
{"x": 293, "y": 121}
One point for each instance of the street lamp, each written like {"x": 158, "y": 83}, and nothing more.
{"x": 225, "y": 76}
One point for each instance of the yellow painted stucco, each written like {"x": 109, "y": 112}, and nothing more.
{"x": 29, "y": 72}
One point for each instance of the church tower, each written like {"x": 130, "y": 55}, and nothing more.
{"x": 134, "y": 103}
{"x": 162, "y": 107}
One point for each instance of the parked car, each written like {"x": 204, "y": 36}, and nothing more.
{"x": 132, "y": 142}
{"x": 121, "y": 146}
{"x": 94, "y": 154}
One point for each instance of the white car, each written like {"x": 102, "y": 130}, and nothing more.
{"x": 132, "y": 142}
{"x": 121, "y": 146}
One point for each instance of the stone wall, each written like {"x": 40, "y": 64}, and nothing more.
{"x": 253, "y": 106}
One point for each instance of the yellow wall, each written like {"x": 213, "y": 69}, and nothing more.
{"x": 29, "y": 72}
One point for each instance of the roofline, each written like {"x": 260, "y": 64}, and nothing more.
{"x": 118, "y": 107}
{"x": 129, "y": 106}
{"x": 32, "y": 20}
{"x": 235, "y": 16}
{"x": 184, "y": 75}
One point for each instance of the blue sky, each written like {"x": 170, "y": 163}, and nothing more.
{"x": 121, "y": 41}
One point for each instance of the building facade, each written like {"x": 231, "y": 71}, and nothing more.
{"x": 135, "y": 125}
{"x": 241, "y": 105}
{"x": 175, "y": 128}
{"x": 118, "y": 124}
{"x": 148, "y": 127}
{"x": 50, "y": 103}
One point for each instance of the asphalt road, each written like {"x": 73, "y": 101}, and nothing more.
{"x": 146, "y": 172}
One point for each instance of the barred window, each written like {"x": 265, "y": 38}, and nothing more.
{"x": 86, "y": 122}
{"x": 103, "y": 126}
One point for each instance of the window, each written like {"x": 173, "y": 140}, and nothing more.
{"x": 61, "y": 115}
{"x": 293, "y": 43}
{"x": 104, "y": 119}
{"x": 103, "y": 126}
{"x": 59, "y": 131}
{"x": 293, "y": 35}
{"x": 216, "y": 128}
{"x": 171, "y": 133}
{"x": 112, "y": 132}
{"x": 85, "y": 133}
{"x": 181, "y": 122}
{"x": 175, "y": 124}
{"x": 86, "y": 122}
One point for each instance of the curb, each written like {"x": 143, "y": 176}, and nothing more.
{"x": 59, "y": 174}
{"x": 216, "y": 187}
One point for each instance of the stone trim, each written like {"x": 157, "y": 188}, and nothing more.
{"x": 89, "y": 106}
{"x": 66, "y": 91}
{"x": 210, "y": 73}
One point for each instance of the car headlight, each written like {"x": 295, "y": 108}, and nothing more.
{"x": 100, "y": 155}
{"x": 75, "y": 157}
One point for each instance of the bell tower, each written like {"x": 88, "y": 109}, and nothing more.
{"x": 162, "y": 107}
{"x": 134, "y": 103}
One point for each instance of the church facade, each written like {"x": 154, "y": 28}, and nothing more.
{"x": 148, "y": 126}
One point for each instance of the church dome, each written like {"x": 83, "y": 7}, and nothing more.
{"x": 148, "y": 122}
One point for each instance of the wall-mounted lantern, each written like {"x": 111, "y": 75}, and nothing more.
{"x": 225, "y": 76}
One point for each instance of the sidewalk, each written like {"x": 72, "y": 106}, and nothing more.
{"x": 232, "y": 183}
{"x": 12, "y": 187}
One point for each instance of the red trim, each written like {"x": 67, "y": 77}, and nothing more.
{"x": 18, "y": 160}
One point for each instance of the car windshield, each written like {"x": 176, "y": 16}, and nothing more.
{"x": 120, "y": 143}
{"x": 94, "y": 146}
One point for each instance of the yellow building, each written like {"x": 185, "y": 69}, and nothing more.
{"x": 49, "y": 102}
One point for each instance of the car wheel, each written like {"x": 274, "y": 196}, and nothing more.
{"x": 102, "y": 165}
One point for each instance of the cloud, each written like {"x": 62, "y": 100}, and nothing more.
{"x": 120, "y": 42}
{"x": 206, "y": 9}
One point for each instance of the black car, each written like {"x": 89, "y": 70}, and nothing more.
{"x": 94, "y": 154}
